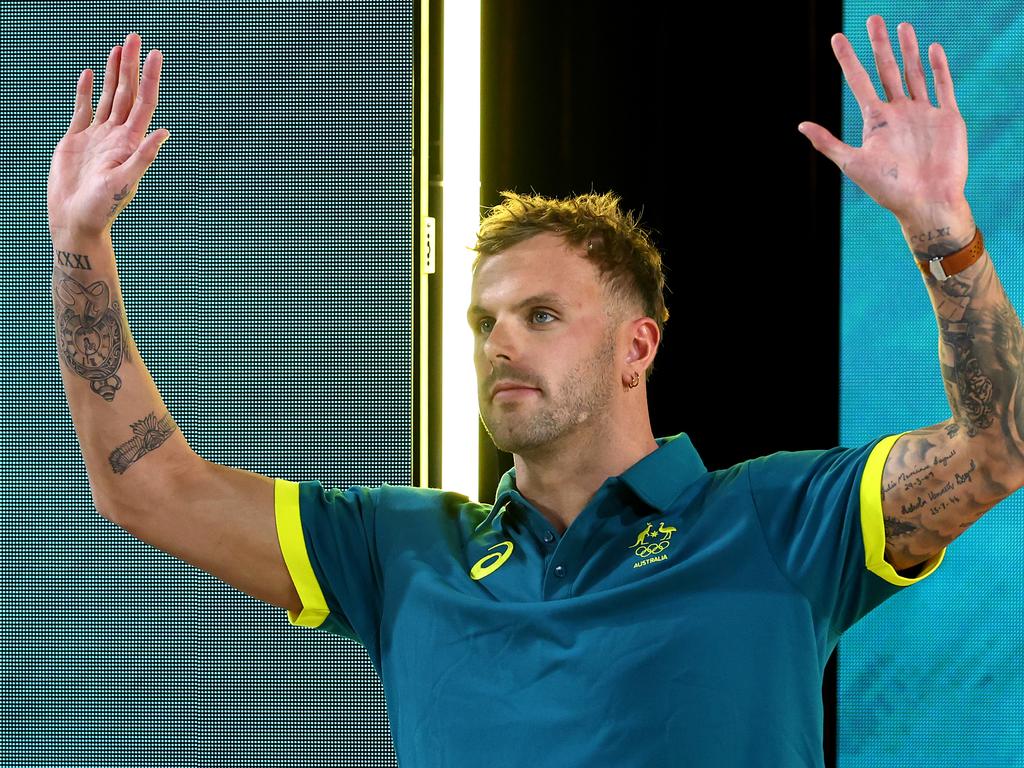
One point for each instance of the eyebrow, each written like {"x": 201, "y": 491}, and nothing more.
{"x": 549, "y": 298}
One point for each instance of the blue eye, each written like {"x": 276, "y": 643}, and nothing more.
{"x": 542, "y": 312}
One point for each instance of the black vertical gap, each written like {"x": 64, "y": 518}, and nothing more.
{"x": 825, "y": 84}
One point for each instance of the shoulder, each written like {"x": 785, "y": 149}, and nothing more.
{"x": 413, "y": 506}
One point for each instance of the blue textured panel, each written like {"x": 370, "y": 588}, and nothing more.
{"x": 933, "y": 677}
{"x": 266, "y": 267}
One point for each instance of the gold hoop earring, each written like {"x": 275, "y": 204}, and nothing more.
{"x": 635, "y": 381}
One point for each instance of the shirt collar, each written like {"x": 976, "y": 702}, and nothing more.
{"x": 658, "y": 478}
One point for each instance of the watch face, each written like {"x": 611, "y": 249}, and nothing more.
{"x": 93, "y": 348}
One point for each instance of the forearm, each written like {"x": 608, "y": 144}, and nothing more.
{"x": 126, "y": 433}
{"x": 981, "y": 344}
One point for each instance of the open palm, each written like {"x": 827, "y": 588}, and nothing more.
{"x": 913, "y": 155}
{"x": 97, "y": 164}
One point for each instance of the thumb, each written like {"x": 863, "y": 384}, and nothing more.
{"x": 823, "y": 141}
{"x": 135, "y": 166}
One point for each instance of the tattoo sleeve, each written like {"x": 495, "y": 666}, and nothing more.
{"x": 118, "y": 413}
{"x": 939, "y": 480}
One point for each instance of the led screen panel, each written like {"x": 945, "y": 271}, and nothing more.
{"x": 933, "y": 676}
{"x": 266, "y": 269}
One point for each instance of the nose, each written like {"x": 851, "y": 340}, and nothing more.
{"x": 501, "y": 342}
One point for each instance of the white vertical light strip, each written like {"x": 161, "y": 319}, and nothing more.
{"x": 460, "y": 154}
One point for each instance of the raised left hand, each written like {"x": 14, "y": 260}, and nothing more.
{"x": 913, "y": 157}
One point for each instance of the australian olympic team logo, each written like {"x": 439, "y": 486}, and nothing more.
{"x": 651, "y": 551}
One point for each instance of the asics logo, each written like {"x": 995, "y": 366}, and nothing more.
{"x": 483, "y": 568}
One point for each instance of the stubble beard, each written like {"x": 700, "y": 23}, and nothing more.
{"x": 586, "y": 395}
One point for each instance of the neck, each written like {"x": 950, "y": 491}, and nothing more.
{"x": 561, "y": 477}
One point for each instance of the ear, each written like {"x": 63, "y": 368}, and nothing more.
{"x": 643, "y": 344}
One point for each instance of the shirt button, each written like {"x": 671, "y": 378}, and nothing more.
{"x": 560, "y": 571}
{"x": 548, "y": 537}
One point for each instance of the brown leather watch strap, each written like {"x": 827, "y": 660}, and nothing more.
{"x": 943, "y": 267}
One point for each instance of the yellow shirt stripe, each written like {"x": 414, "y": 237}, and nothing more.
{"x": 296, "y": 558}
{"x": 872, "y": 523}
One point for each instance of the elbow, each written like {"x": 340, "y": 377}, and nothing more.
{"x": 108, "y": 511}
{"x": 114, "y": 513}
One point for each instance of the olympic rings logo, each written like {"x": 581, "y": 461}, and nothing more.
{"x": 647, "y": 550}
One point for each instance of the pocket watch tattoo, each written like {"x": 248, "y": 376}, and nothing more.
{"x": 90, "y": 332}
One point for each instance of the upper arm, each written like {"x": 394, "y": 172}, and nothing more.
{"x": 937, "y": 481}
{"x": 219, "y": 519}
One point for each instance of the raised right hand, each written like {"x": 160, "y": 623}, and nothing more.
{"x": 97, "y": 164}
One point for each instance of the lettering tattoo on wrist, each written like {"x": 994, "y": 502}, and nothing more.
{"x": 150, "y": 434}
{"x": 91, "y": 332}
{"x": 927, "y": 237}
{"x": 71, "y": 260}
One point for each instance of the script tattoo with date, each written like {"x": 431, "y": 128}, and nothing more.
{"x": 91, "y": 332}
{"x": 150, "y": 434}
{"x": 939, "y": 480}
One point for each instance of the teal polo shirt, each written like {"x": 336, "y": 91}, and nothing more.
{"x": 683, "y": 619}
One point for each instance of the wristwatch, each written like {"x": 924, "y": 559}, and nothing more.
{"x": 944, "y": 267}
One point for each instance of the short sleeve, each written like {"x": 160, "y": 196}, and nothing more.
{"x": 821, "y": 512}
{"x": 327, "y": 539}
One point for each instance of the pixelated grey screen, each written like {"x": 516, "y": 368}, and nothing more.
{"x": 933, "y": 676}
{"x": 266, "y": 269}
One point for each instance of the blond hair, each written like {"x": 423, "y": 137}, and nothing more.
{"x": 614, "y": 240}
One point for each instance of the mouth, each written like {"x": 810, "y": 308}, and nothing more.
{"x": 514, "y": 393}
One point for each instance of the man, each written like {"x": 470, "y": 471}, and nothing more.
{"x": 618, "y": 604}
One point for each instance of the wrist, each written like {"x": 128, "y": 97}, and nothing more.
{"x": 938, "y": 228}
{"x": 65, "y": 236}
{"x": 81, "y": 250}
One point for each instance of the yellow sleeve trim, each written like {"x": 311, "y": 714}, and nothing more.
{"x": 872, "y": 523}
{"x": 296, "y": 558}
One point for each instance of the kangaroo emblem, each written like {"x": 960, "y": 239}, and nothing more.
{"x": 642, "y": 536}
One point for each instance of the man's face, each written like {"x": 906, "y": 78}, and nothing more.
{"x": 538, "y": 313}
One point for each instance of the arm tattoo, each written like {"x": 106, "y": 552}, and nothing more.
{"x": 91, "y": 332}
{"x": 118, "y": 197}
{"x": 981, "y": 351}
{"x": 939, "y": 480}
{"x": 150, "y": 434}
{"x": 71, "y": 260}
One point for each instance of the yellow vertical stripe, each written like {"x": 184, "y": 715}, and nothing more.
{"x": 872, "y": 522}
{"x": 296, "y": 558}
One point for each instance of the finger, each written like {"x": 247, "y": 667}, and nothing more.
{"x": 109, "y": 85}
{"x": 125, "y": 93}
{"x": 885, "y": 62}
{"x": 132, "y": 169}
{"x": 943, "y": 79}
{"x": 912, "y": 67}
{"x": 823, "y": 141}
{"x": 83, "y": 103}
{"x": 145, "y": 104}
{"x": 853, "y": 71}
